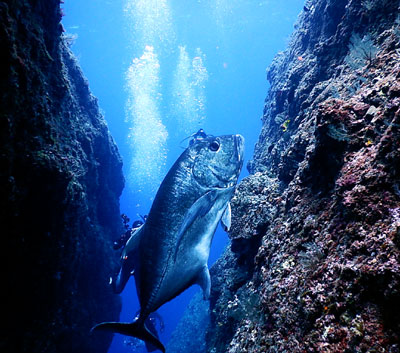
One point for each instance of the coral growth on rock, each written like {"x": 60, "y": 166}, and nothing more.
{"x": 314, "y": 264}
{"x": 60, "y": 183}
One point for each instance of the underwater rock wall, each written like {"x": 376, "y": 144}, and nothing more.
{"x": 60, "y": 183}
{"x": 190, "y": 333}
{"x": 314, "y": 263}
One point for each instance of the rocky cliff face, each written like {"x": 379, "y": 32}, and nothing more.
{"x": 314, "y": 263}
{"x": 60, "y": 182}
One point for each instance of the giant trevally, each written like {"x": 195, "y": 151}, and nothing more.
{"x": 169, "y": 253}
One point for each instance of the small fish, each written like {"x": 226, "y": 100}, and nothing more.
{"x": 169, "y": 253}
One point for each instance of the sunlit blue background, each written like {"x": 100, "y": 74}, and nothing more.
{"x": 163, "y": 69}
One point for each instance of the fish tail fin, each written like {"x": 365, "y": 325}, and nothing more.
{"x": 135, "y": 329}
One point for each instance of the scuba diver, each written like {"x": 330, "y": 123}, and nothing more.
{"x": 118, "y": 244}
{"x": 118, "y": 283}
{"x": 199, "y": 135}
{"x": 121, "y": 242}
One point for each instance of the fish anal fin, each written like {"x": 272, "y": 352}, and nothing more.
{"x": 135, "y": 329}
{"x": 226, "y": 218}
{"x": 127, "y": 261}
{"x": 204, "y": 281}
{"x": 132, "y": 244}
{"x": 199, "y": 209}
{"x": 118, "y": 284}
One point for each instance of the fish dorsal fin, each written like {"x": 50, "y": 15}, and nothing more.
{"x": 199, "y": 209}
{"x": 226, "y": 218}
{"x": 133, "y": 242}
{"x": 204, "y": 281}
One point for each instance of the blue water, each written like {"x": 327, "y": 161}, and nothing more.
{"x": 163, "y": 69}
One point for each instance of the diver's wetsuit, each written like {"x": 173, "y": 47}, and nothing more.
{"x": 199, "y": 135}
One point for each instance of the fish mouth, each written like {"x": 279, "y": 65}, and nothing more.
{"x": 239, "y": 144}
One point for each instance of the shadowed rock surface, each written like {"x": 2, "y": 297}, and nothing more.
{"x": 189, "y": 335}
{"x": 60, "y": 183}
{"x": 314, "y": 264}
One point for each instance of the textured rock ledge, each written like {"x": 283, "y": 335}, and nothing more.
{"x": 60, "y": 185}
{"x": 323, "y": 199}
{"x": 314, "y": 263}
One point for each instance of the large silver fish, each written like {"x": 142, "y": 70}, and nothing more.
{"x": 169, "y": 253}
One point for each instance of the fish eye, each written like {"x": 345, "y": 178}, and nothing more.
{"x": 214, "y": 146}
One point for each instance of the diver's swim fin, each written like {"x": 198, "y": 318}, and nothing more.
{"x": 135, "y": 329}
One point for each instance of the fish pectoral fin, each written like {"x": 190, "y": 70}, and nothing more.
{"x": 199, "y": 209}
{"x": 226, "y": 218}
{"x": 204, "y": 281}
{"x": 135, "y": 329}
{"x": 133, "y": 242}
